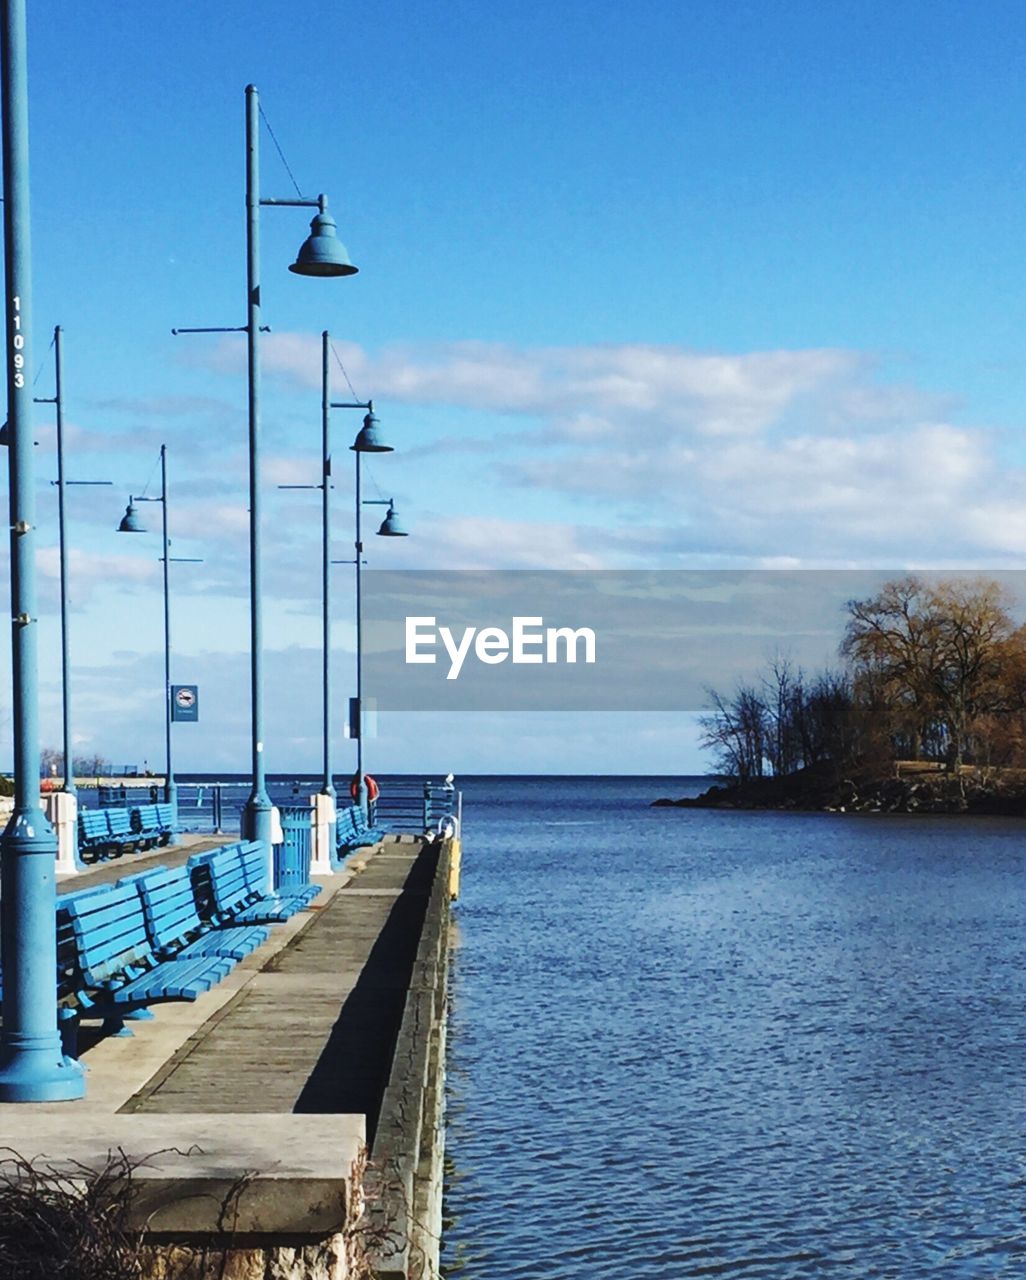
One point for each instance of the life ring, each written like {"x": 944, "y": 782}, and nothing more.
{"x": 373, "y": 791}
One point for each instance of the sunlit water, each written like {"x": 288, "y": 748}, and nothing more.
{"x": 690, "y": 1043}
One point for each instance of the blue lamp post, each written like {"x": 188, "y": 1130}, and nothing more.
{"x": 368, "y": 440}
{"x": 321, "y": 254}
{"x": 132, "y": 523}
{"x": 57, "y": 400}
{"x": 32, "y": 1065}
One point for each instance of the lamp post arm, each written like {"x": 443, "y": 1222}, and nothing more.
{"x": 296, "y": 202}
{"x": 221, "y": 328}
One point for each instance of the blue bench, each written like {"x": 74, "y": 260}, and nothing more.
{"x": 105, "y": 833}
{"x": 154, "y": 824}
{"x": 352, "y": 830}
{"x": 258, "y": 876}
{"x": 232, "y": 885}
{"x": 174, "y": 925}
{"x": 119, "y": 824}
{"x": 114, "y": 970}
{"x": 93, "y": 832}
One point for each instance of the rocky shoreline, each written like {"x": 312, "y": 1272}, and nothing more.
{"x": 919, "y": 790}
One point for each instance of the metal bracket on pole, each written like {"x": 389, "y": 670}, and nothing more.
{"x": 231, "y": 328}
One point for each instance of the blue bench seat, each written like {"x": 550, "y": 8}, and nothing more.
{"x": 352, "y": 830}
{"x": 154, "y": 824}
{"x": 106, "y": 832}
{"x": 233, "y": 883}
{"x": 116, "y": 968}
{"x": 174, "y": 925}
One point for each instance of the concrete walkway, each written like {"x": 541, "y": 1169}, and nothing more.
{"x": 314, "y": 1030}
{"x": 299, "y": 1039}
{"x": 111, "y": 869}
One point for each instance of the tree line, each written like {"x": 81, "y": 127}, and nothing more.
{"x": 929, "y": 672}
{"x": 51, "y": 764}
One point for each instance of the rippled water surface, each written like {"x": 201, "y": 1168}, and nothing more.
{"x": 691, "y": 1043}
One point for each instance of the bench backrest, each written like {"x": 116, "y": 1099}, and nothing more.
{"x": 119, "y": 822}
{"x": 109, "y": 931}
{"x": 255, "y": 868}
{"x": 219, "y": 881}
{"x": 169, "y": 906}
{"x": 145, "y": 818}
{"x": 92, "y": 824}
{"x": 345, "y": 824}
{"x": 165, "y": 815}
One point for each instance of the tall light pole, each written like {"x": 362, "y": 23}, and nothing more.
{"x": 57, "y": 400}
{"x": 130, "y": 523}
{"x": 328, "y": 780}
{"x": 368, "y": 440}
{"x": 32, "y": 1065}
{"x": 321, "y": 254}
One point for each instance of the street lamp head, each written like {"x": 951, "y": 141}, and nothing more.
{"x": 322, "y": 253}
{"x": 390, "y": 526}
{"x": 369, "y": 440}
{"x": 130, "y": 522}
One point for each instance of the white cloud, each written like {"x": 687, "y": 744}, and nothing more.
{"x": 774, "y": 456}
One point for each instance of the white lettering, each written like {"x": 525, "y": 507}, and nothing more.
{"x": 531, "y": 643}
{"x": 457, "y": 653}
{"x": 522, "y": 638}
{"x": 553, "y": 636}
{"x": 414, "y": 639}
{"x": 492, "y": 645}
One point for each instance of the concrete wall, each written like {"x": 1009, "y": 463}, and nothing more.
{"x": 403, "y": 1186}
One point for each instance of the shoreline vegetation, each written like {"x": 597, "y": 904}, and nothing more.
{"x": 926, "y": 713}
{"x": 908, "y": 787}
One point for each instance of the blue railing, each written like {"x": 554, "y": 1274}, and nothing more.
{"x": 405, "y": 804}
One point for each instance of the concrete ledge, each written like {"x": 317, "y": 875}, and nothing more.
{"x": 409, "y": 1135}
{"x": 275, "y": 1175}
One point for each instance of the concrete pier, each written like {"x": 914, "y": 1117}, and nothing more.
{"x": 291, "y": 1120}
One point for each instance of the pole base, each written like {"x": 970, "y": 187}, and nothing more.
{"x": 257, "y": 820}
{"x": 41, "y": 1075}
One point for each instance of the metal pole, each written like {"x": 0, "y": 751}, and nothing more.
{"x": 69, "y": 763}
{"x": 170, "y": 786}
{"x": 32, "y": 1066}
{"x": 361, "y": 786}
{"x": 328, "y": 787}
{"x": 256, "y": 822}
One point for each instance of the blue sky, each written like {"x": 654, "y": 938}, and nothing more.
{"x": 688, "y": 284}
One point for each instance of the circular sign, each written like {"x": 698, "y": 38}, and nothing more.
{"x": 186, "y": 698}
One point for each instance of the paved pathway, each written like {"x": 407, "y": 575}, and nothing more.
{"x": 172, "y": 855}
{"x": 314, "y": 1031}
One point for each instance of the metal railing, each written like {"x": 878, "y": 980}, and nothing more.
{"x": 405, "y": 804}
